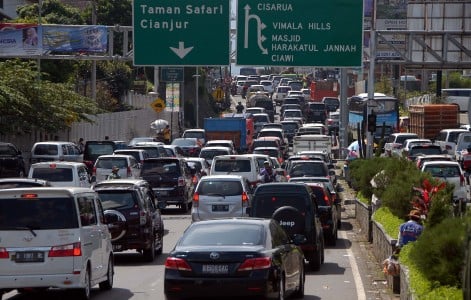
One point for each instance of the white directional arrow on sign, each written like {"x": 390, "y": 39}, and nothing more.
{"x": 181, "y": 51}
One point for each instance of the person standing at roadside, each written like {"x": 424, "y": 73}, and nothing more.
{"x": 167, "y": 134}
{"x": 81, "y": 145}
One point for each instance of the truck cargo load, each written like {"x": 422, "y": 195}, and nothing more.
{"x": 427, "y": 120}
{"x": 312, "y": 142}
{"x": 236, "y": 128}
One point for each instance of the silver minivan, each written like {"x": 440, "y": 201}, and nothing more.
{"x": 221, "y": 196}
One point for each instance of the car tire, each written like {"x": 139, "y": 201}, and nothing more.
{"x": 84, "y": 293}
{"x": 108, "y": 283}
{"x": 288, "y": 214}
{"x": 316, "y": 258}
{"x": 299, "y": 293}
{"x": 118, "y": 227}
{"x": 149, "y": 254}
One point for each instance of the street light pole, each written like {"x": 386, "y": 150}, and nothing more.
{"x": 93, "y": 77}
{"x": 197, "y": 76}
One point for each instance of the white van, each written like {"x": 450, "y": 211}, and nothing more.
{"x": 309, "y": 142}
{"x": 54, "y": 237}
{"x": 61, "y": 173}
{"x": 245, "y": 165}
{"x": 55, "y": 151}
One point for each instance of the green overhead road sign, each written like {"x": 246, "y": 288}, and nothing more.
{"x": 325, "y": 33}
{"x": 181, "y": 33}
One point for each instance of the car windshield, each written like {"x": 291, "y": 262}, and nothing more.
{"x": 37, "y": 213}
{"x": 223, "y": 235}
{"x": 53, "y": 174}
{"x": 117, "y": 199}
{"x": 261, "y": 119}
{"x": 220, "y": 187}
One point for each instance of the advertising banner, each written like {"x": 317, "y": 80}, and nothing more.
{"x": 88, "y": 39}
{"x": 20, "y": 39}
{"x": 33, "y": 39}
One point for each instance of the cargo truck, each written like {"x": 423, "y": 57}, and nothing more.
{"x": 429, "y": 119}
{"x": 235, "y": 127}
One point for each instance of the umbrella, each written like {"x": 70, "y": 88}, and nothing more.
{"x": 158, "y": 124}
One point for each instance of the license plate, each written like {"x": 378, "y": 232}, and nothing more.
{"x": 221, "y": 207}
{"x": 215, "y": 269}
{"x": 117, "y": 247}
{"x": 30, "y": 256}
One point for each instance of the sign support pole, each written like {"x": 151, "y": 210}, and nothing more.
{"x": 371, "y": 82}
{"x": 197, "y": 99}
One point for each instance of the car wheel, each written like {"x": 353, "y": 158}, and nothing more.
{"x": 281, "y": 288}
{"x": 116, "y": 224}
{"x": 108, "y": 283}
{"x": 299, "y": 293}
{"x": 160, "y": 244}
{"x": 315, "y": 260}
{"x": 84, "y": 293}
{"x": 149, "y": 254}
{"x": 185, "y": 206}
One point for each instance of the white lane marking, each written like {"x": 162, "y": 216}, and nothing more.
{"x": 356, "y": 274}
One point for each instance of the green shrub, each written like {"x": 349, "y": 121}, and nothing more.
{"x": 389, "y": 221}
{"x": 439, "y": 252}
{"x": 440, "y": 207}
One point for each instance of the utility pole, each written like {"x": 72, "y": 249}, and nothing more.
{"x": 93, "y": 79}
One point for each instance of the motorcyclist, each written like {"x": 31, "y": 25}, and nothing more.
{"x": 240, "y": 108}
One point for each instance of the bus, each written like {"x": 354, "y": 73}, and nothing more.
{"x": 460, "y": 96}
{"x": 385, "y": 108}
{"x": 248, "y": 71}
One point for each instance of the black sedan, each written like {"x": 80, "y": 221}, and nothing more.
{"x": 191, "y": 146}
{"x": 240, "y": 257}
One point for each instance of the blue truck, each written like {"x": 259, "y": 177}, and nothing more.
{"x": 238, "y": 128}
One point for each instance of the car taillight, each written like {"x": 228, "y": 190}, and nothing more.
{"x": 255, "y": 264}
{"x": 245, "y": 199}
{"x": 195, "y": 179}
{"x": 175, "y": 263}
{"x": 181, "y": 181}
{"x": 288, "y": 177}
{"x": 142, "y": 218}
{"x": 3, "y": 253}
{"x": 128, "y": 172}
{"x": 196, "y": 200}
{"x": 327, "y": 200}
{"x": 74, "y": 249}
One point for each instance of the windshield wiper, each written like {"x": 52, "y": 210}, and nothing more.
{"x": 29, "y": 228}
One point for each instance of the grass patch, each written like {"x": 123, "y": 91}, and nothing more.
{"x": 389, "y": 222}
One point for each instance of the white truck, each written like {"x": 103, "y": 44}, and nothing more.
{"x": 312, "y": 142}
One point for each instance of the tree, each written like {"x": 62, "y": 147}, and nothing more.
{"x": 52, "y": 12}
{"x": 28, "y": 104}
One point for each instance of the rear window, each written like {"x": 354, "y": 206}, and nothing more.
{"x": 443, "y": 171}
{"x": 151, "y": 151}
{"x": 99, "y": 149}
{"x": 37, "y": 214}
{"x": 224, "y": 235}
{"x": 283, "y": 90}
{"x": 209, "y": 154}
{"x": 264, "y": 144}
{"x": 307, "y": 169}
{"x": 269, "y": 152}
{"x": 232, "y": 165}
{"x": 161, "y": 167}
{"x": 220, "y": 187}
{"x": 266, "y": 204}
{"x": 46, "y": 150}
{"x": 53, "y": 174}
{"x": 317, "y": 106}
{"x": 108, "y": 163}
{"x": 117, "y": 199}
{"x": 197, "y": 135}
{"x": 290, "y": 127}
{"x": 135, "y": 154}
{"x": 424, "y": 150}
{"x": 268, "y": 105}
